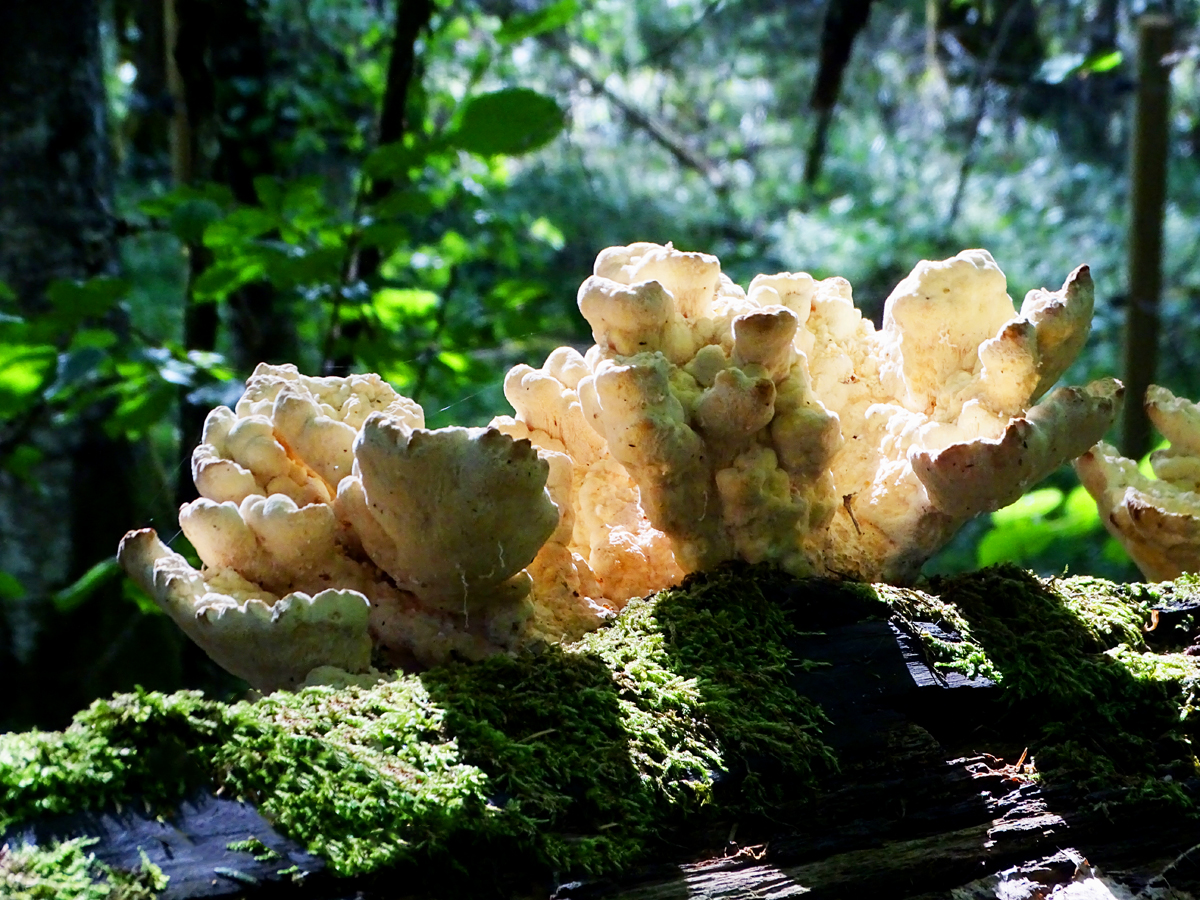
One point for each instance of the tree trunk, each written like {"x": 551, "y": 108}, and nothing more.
{"x": 56, "y": 223}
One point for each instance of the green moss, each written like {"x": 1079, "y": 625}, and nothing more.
{"x": 572, "y": 758}
{"x": 966, "y": 655}
{"x": 66, "y": 871}
{"x": 576, "y": 759}
{"x": 255, "y": 848}
{"x": 1071, "y": 655}
{"x": 148, "y": 744}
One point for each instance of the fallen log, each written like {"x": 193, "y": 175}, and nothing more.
{"x": 745, "y": 735}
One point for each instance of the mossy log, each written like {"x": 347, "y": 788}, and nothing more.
{"x": 744, "y": 735}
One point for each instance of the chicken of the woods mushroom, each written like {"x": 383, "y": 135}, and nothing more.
{"x": 778, "y": 424}
{"x": 707, "y": 423}
{"x": 1157, "y": 520}
{"x": 334, "y": 530}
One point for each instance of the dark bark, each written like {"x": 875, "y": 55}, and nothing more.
{"x": 56, "y": 223}
{"x": 150, "y": 106}
{"x": 55, "y": 180}
{"x": 844, "y": 19}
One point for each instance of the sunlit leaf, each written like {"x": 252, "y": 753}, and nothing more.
{"x": 555, "y": 15}
{"x": 395, "y": 306}
{"x": 1031, "y": 506}
{"x": 546, "y": 231}
{"x": 239, "y": 226}
{"x": 509, "y": 121}
{"x": 1103, "y": 62}
{"x": 455, "y": 362}
{"x": 221, "y": 279}
{"x": 143, "y": 406}
{"x": 24, "y": 368}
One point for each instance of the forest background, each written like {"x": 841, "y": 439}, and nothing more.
{"x": 417, "y": 187}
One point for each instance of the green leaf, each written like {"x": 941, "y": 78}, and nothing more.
{"x": 221, "y": 279}
{"x": 1102, "y": 62}
{"x": 189, "y": 219}
{"x": 22, "y": 461}
{"x": 454, "y": 361}
{"x": 10, "y": 587}
{"x": 384, "y": 235}
{"x": 509, "y": 121}
{"x": 75, "y": 301}
{"x": 98, "y": 338}
{"x": 94, "y": 578}
{"x": 1033, "y": 505}
{"x": 393, "y": 161}
{"x": 404, "y": 202}
{"x": 143, "y": 406}
{"x": 133, "y": 592}
{"x": 7, "y": 293}
{"x": 238, "y": 227}
{"x": 1013, "y": 544}
{"x": 23, "y": 370}
{"x": 548, "y": 18}
{"x": 395, "y": 306}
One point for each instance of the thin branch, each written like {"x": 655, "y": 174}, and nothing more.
{"x": 982, "y": 76}
{"x": 362, "y": 263}
{"x": 639, "y": 119}
{"x": 669, "y": 46}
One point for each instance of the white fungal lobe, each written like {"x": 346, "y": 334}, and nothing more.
{"x": 706, "y": 423}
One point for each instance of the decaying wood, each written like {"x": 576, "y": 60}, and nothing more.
{"x": 918, "y": 810}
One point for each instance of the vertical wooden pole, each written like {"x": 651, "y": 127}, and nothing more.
{"x": 181, "y": 130}
{"x": 1147, "y": 195}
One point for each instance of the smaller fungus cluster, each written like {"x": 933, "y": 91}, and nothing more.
{"x": 707, "y": 423}
{"x": 1156, "y": 519}
{"x": 334, "y": 528}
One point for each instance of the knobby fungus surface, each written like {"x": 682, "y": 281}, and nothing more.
{"x": 1156, "y": 519}
{"x": 335, "y": 529}
{"x": 777, "y": 424}
{"x": 707, "y": 423}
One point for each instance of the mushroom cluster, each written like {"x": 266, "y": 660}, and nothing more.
{"x": 1157, "y": 520}
{"x": 707, "y": 423}
{"x": 778, "y": 424}
{"x": 335, "y": 530}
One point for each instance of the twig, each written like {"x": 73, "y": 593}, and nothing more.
{"x": 639, "y": 119}
{"x": 982, "y": 76}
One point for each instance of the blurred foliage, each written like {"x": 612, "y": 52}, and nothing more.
{"x": 537, "y": 134}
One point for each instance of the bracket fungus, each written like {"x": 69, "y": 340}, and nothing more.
{"x": 707, "y": 423}
{"x": 777, "y": 424}
{"x": 1157, "y": 520}
{"x": 335, "y": 529}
